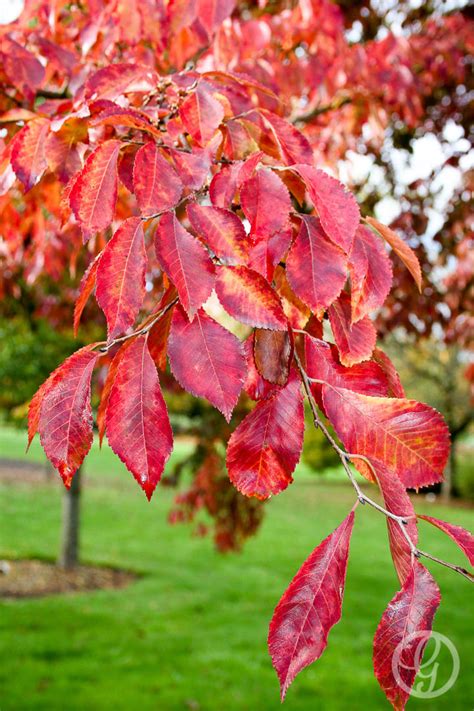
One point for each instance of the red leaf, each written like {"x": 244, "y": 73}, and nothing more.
{"x": 158, "y": 339}
{"x": 398, "y": 502}
{"x": 295, "y": 310}
{"x": 265, "y": 448}
{"x": 316, "y": 268}
{"x": 222, "y": 230}
{"x": 371, "y": 274}
{"x": 255, "y": 384}
{"x": 464, "y": 539}
{"x": 293, "y": 145}
{"x": 105, "y": 394}
{"x": 406, "y": 254}
{"x": 186, "y": 263}
{"x": 395, "y": 386}
{"x": 65, "y": 415}
{"x": 138, "y": 427}
{"x": 34, "y": 408}
{"x": 156, "y": 184}
{"x": 267, "y": 253}
{"x": 94, "y": 192}
{"x": 230, "y": 178}
{"x": 212, "y": 13}
{"x": 310, "y": 607}
{"x": 28, "y": 157}
{"x": 121, "y": 277}
{"x": 409, "y": 438}
{"x": 337, "y": 208}
{"x": 114, "y": 80}
{"x": 355, "y": 341}
{"x": 322, "y": 364}
{"x": 207, "y": 360}
{"x": 272, "y": 352}
{"x": 201, "y": 114}
{"x": 192, "y": 168}
{"x": 249, "y": 298}
{"x": 86, "y": 288}
{"x": 266, "y": 204}
{"x": 405, "y": 628}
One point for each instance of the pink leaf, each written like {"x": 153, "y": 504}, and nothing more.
{"x": 310, "y": 607}
{"x": 404, "y": 630}
{"x": 355, "y": 341}
{"x": 28, "y": 157}
{"x": 121, "y": 277}
{"x": 65, "y": 415}
{"x": 265, "y": 448}
{"x": 316, "y": 268}
{"x": 371, "y": 274}
{"x": 266, "y": 204}
{"x": 221, "y": 230}
{"x": 464, "y": 539}
{"x": 94, "y": 191}
{"x": 156, "y": 184}
{"x": 207, "y": 360}
{"x": 249, "y": 298}
{"x": 186, "y": 263}
{"x": 138, "y": 427}
{"x": 337, "y": 208}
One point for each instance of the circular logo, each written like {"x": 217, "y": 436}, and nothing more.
{"x": 428, "y": 684}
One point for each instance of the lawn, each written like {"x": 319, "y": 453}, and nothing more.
{"x": 191, "y": 633}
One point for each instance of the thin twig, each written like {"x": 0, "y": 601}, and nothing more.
{"x": 143, "y": 329}
{"x": 345, "y": 458}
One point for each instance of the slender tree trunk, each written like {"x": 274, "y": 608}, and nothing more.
{"x": 69, "y": 554}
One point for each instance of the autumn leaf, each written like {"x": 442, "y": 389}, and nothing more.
{"x": 221, "y": 230}
{"x": 310, "y": 606}
{"x": 464, "y": 539}
{"x": 409, "y": 438}
{"x": 401, "y": 249}
{"x": 28, "y": 156}
{"x": 397, "y": 501}
{"x": 265, "y": 448}
{"x": 404, "y": 630}
{"x": 371, "y": 274}
{"x": 185, "y": 261}
{"x": 65, "y": 416}
{"x": 272, "y": 352}
{"x": 323, "y": 365}
{"x": 255, "y": 384}
{"x": 156, "y": 184}
{"x": 355, "y": 341}
{"x": 337, "y": 208}
{"x": 249, "y": 298}
{"x": 137, "y": 422}
{"x": 201, "y": 114}
{"x": 94, "y": 191}
{"x": 316, "y": 268}
{"x": 206, "y": 360}
{"x": 86, "y": 287}
{"x": 266, "y": 204}
{"x": 121, "y": 277}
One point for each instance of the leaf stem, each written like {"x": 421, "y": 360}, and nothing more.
{"x": 144, "y": 328}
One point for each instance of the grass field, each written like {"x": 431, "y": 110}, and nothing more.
{"x": 191, "y": 633}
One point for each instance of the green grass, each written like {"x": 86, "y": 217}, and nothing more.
{"x": 191, "y": 633}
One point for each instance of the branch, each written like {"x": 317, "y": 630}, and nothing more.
{"x": 318, "y": 110}
{"x": 145, "y": 327}
{"x": 345, "y": 458}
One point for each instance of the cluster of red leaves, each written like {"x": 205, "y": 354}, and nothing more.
{"x": 222, "y": 197}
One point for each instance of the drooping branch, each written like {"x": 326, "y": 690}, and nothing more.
{"x": 346, "y": 457}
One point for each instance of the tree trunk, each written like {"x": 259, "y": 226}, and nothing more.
{"x": 449, "y": 489}
{"x": 69, "y": 555}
